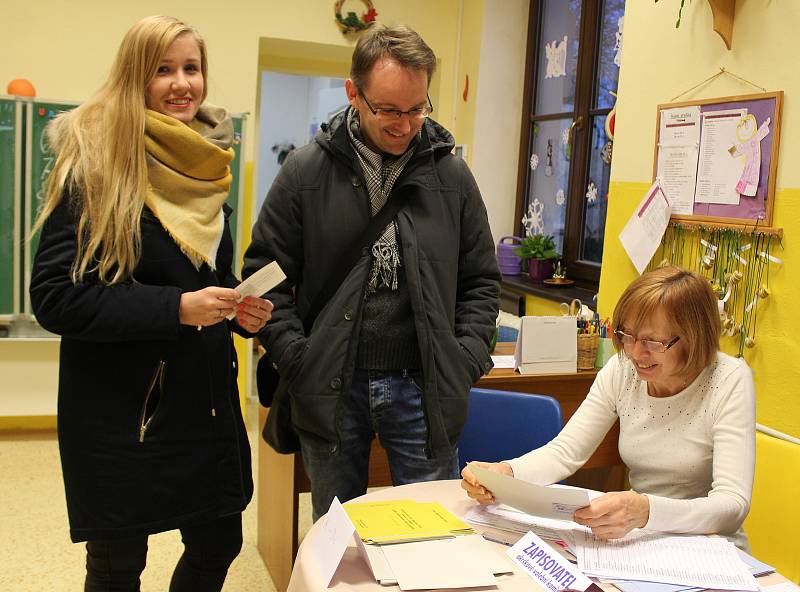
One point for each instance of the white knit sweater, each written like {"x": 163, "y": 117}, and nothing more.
{"x": 693, "y": 453}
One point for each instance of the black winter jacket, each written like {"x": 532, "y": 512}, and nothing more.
{"x": 319, "y": 205}
{"x": 149, "y": 423}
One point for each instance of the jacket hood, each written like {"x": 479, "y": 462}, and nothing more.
{"x": 434, "y": 137}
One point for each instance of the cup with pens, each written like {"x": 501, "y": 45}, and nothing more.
{"x": 590, "y": 332}
{"x": 605, "y": 345}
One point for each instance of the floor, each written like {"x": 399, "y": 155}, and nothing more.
{"x": 37, "y": 554}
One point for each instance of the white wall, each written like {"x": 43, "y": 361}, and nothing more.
{"x": 289, "y": 105}
{"x": 498, "y": 118}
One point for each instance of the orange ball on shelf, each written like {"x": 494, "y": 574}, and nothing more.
{"x": 21, "y": 88}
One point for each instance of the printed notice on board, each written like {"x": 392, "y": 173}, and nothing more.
{"x": 643, "y": 232}
{"x": 678, "y": 151}
{"x": 717, "y": 171}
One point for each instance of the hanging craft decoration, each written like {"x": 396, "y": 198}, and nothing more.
{"x": 618, "y": 42}
{"x": 533, "y": 221}
{"x": 737, "y": 263}
{"x": 749, "y": 146}
{"x": 556, "y": 53}
{"x": 534, "y": 161}
{"x": 548, "y": 166}
{"x": 352, "y": 23}
{"x": 591, "y": 192}
{"x": 560, "y": 197}
{"x": 566, "y": 145}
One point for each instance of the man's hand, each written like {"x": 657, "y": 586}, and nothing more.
{"x": 252, "y": 313}
{"x": 615, "y": 514}
{"x": 477, "y": 491}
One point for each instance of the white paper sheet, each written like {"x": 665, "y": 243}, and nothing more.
{"x": 506, "y": 518}
{"x": 260, "y": 282}
{"x": 548, "y": 502}
{"x": 503, "y": 361}
{"x": 677, "y": 174}
{"x": 332, "y": 541}
{"x": 679, "y": 126}
{"x": 704, "y": 562}
{"x": 460, "y": 562}
{"x": 717, "y": 170}
{"x": 643, "y": 232}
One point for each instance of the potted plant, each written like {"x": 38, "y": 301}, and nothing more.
{"x": 540, "y": 252}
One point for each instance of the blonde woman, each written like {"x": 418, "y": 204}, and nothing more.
{"x": 134, "y": 272}
{"x": 686, "y": 414}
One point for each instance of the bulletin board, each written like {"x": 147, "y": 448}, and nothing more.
{"x": 732, "y": 146}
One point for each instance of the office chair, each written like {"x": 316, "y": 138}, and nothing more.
{"x": 502, "y": 425}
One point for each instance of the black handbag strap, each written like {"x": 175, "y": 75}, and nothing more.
{"x": 351, "y": 256}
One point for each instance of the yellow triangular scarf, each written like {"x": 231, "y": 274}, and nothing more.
{"x": 189, "y": 178}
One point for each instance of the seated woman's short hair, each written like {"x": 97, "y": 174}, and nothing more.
{"x": 687, "y": 301}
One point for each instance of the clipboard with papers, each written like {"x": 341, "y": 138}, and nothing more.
{"x": 553, "y": 502}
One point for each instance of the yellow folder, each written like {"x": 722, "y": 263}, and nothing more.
{"x": 400, "y": 521}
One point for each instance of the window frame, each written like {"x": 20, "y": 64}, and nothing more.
{"x": 585, "y": 273}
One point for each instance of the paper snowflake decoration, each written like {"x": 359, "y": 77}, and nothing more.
{"x": 556, "y": 53}
{"x": 591, "y": 193}
{"x": 560, "y": 197}
{"x": 533, "y": 220}
{"x": 534, "y": 161}
{"x": 565, "y": 136}
{"x": 618, "y": 42}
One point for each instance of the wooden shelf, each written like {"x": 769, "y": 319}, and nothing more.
{"x": 722, "y": 11}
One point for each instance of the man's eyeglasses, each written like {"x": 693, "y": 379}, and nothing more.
{"x": 417, "y": 114}
{"x": 655, "y": 347}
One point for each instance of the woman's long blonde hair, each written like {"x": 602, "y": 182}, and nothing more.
{"x": 100, "y": 154}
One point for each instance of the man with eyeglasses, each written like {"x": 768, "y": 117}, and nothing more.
{"x": 398, "y": 345}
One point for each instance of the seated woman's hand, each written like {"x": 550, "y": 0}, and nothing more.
{"x": 615, "y": 514}
{"x": 475, "y": 490}
{"x": 253, "y": 313}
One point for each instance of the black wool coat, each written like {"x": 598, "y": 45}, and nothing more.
{"x": 150, "y": 427}
{"x": 318, "y": 206}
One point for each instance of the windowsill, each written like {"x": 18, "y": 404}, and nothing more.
{"x": 522, "y": 284}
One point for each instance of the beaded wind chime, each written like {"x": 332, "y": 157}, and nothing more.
{"x": 736, "y": 262}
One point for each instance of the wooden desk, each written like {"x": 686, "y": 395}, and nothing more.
{"x": 281, "y": 477}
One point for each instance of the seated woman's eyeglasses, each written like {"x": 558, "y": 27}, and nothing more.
{"x": 394, "y": 114}
{"x": 655, "y": 347}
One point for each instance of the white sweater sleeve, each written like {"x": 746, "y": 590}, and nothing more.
{"x": 732, "y": 432}
{"x": 584, "y": 431}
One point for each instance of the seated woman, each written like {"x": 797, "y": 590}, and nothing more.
{"x": 686, "y": 413}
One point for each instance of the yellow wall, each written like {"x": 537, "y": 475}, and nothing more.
{"x": 660, "y": 62}
{"x": 66, "y": 48}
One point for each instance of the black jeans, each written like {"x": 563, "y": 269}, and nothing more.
{"x": 209, "y": 549}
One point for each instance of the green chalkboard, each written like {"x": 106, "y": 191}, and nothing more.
{"x": 235, "y": 199}
{"x": 11, "y": 128}
{"x": 38, "y": 164}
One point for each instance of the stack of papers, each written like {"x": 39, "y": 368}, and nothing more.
{"x": 507, "y": 518}
{"x": 459, "y": 562}
{"x": 690, "y": 561}
{"x": 756, "y": 567}
{"x": 399, "y": 521}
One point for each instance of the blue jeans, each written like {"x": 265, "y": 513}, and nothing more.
{"x": 388, "y": 403}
